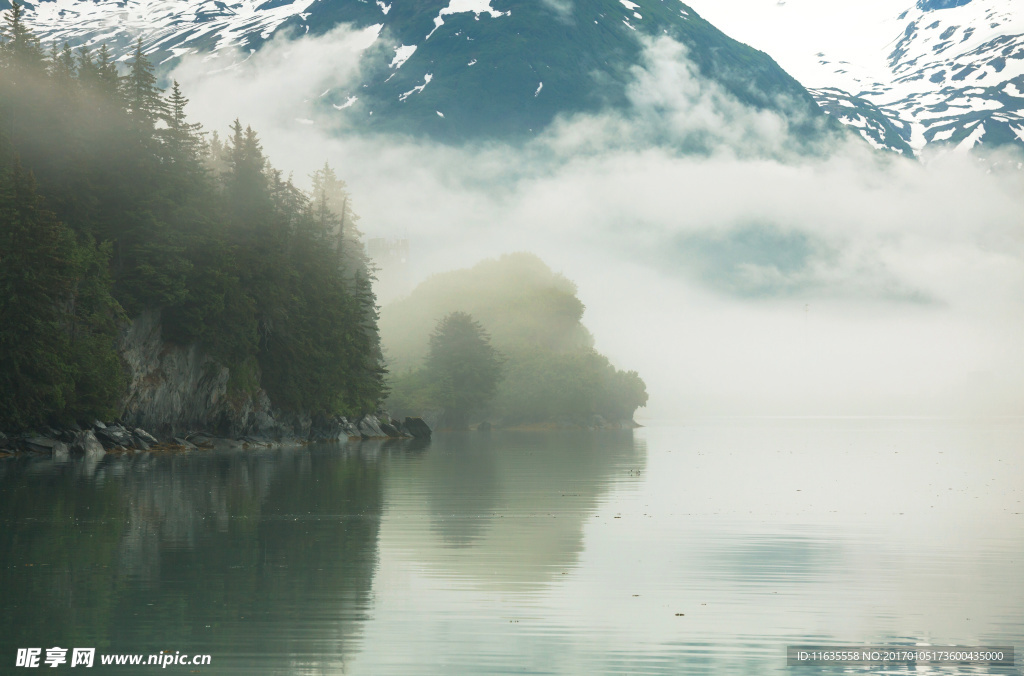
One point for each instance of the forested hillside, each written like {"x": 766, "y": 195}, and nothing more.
{"x": 550, "y": 371}
{"x": 113, "y": 203}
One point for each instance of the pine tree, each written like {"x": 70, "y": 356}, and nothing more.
{"x": 183, "y": 140}
{"x": 334, "y": 212}
{"x": 247, "y": 188}
{"x": 36, "y": 279}
{"x": 142, "y": 96}
{"x": 107, "y": 78}
{"x": 62, "y": 66}
{"x": 464, "y": 365}
{"x": 22, "y": 63}
{"x": 88, "y": 73}
{"x": 20, "y": 48}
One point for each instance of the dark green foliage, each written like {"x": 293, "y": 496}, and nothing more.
{"x": 271, "y": 281}
{"x": 21, "y": 49}
{"x": 57, "y": 318}
{"x": 182, "y": 140}
{"x": 542, "y": 386}
{"x": 36, "y": 278}
{"x": 145, "y": 106}
{"x": 462, "y": 367}
{"x": 551, "y": 370}
{"x": 95, "y": 365}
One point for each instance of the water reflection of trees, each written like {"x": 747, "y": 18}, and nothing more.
{"x": 264, "y": 560}
{"x": 507, "y": 508}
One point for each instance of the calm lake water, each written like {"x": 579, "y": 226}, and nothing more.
{"x": 699, "y": 548}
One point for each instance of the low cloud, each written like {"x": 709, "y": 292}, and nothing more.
{"x": 280, "y": 85}
{"x": 748, "y": 278}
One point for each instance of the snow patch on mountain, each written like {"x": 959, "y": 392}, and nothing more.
{"x": 417, "y": 89}
{"x": 477, "y": 7}
{"x": 209, "y": 26}
{"x": 973, "y": 139}
{"x": 402, "y": 54}
{"x": 952, "y": 75}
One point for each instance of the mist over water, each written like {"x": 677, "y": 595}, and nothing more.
{"x": 817, "y": 327}
{"x": 704, "y": 548}
{"x": 750, "y": 278}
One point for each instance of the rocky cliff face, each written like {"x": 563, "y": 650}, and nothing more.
{"x": 173, "y": 390}
{"x": 176, "y": 390}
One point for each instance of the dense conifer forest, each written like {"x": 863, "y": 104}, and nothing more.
{"x": 112, "y": 203}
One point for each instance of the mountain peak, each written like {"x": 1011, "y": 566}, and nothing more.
{"x": 952, "y": 78}
{"x": 451, "y": 69}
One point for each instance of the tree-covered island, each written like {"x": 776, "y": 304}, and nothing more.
{"x": 527, "y": 359}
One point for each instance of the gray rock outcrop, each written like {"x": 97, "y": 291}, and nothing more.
{"x": 417, "y": 428}
{"x": 369, "y": 428}
{"x": 60, "y": 452}
{"x": 40, "y": 444}
{"x": 87, "y": 444}
{"x": 174, "y": 389}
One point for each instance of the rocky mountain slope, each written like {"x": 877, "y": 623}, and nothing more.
{"x": 952, "y": 77}
{"x": 451, "y": 69}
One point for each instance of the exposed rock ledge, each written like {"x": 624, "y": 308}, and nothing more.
{"x": 177, "y": 390}
{"x": 173, "y": 389}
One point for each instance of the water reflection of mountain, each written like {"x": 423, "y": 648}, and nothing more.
{"x": 504, "y": 509}
{"x": 263, "y": 560}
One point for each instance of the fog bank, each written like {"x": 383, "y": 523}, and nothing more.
{"x": 748, "y": 279}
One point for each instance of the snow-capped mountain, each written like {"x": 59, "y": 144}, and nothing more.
{"x": 451, "y": 69}
{"x": 169, "y": 28}
{"x": 873, "y": 124}
{"x": 954, "y": 76}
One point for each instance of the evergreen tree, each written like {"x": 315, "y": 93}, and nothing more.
{"x": 183, "y": 140}
{"x": 107, "y": 78}
{"x": 88, "y": 73}
{"x": 22, "y": 64}
{"x": 142, "y": 96}
{"x": 62, "y": 66}
{"x": 368, "y": 383}
{"x": 247, "y": 188}
{"x": 36, "y": 278}
{"x": 95, "y": 320}
{"x": 335, "y": 216}
{"x": 20, "y": 48}
{"x": 57, "y": 318}
{"x": 464, "y": 367}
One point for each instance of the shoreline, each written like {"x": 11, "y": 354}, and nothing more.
{"x": 120, "y": 438}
